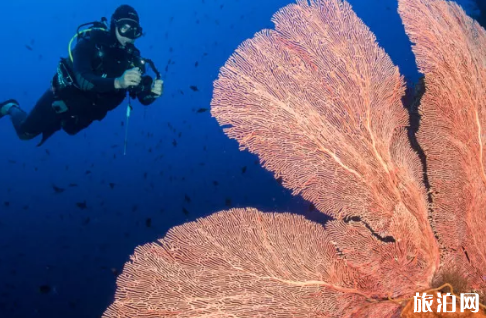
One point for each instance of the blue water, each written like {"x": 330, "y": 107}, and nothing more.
{"x": 58, "y": 260}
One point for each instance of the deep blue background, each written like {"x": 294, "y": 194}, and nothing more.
{"x": 45, "y": 238}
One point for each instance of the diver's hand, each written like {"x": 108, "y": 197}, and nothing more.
{"x": 131, "y": 77}
{"x": 157, "y": 87}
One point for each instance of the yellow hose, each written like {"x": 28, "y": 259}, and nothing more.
{"x": 76, "y": 35}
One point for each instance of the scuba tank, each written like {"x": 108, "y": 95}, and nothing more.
{"x": 64, "y": 76}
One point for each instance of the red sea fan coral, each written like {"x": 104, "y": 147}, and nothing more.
{"x": 320, "y": 102}
{"x": 451, "y": 52}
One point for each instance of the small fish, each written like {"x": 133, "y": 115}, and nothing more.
{"x": 112, "y": 185}
{"x": 57, "y": 189}
{"x": 45, "y": 289}
{"x": 87, "y": 172}
{"x": 196, "y": 64}
{"x": 174, "y": 143}
{"x": 148, "y": 222}
{"x": 73, "y": 185}
{"x": 279, "y": 180}
{"x": 81, "y": 205}
{"x": 202, "y": 110}
{"x": 194, "y": 88}
{"x": 184, "y": 210}
{"x": 135, "y": 208}
{"x": 28, "y": 47}
{"x": 187, "y": 198}
{"x": 115, "y": 271}
{"x": 6, "y": 203}
{"x": 243, "y": 170}
{"x": 86, "y": 221}
{"x": 48, "y": 152}
{"x": 228, "y": 202}
{"x": 311, "y": 207}
{"x": 145, "y": 175}
{"x": 216, "y": 183}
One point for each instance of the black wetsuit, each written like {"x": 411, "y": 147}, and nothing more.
{"x": 97, "y": 61}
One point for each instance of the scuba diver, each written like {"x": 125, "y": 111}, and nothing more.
{"x": 99, "y": 73}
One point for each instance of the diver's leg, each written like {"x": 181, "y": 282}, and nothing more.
{"x": 41, "y": 119}
{"x": 17, "y": 116}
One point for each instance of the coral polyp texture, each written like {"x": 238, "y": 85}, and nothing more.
{"x": 320, "y": 103}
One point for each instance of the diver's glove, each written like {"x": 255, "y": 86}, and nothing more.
{"x": 131, "y": 77}
{"x": 157, "y": 87}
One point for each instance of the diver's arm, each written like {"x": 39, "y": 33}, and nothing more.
{"x": 85, "y": 77}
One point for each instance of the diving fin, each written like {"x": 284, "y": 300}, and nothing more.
{"x": 6, "y": 105}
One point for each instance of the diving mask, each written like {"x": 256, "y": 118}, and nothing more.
{"x": 129, "y": 28}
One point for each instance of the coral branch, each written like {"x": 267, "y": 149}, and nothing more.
{"x": 245, "y": 263}
{"x": 320, "y": 102}
{"x": 450, "y": 48}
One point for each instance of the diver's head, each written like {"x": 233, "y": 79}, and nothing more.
{"x": 125, "y": 25}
